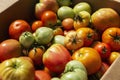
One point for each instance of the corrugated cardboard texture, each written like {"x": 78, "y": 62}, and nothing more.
{"x": 113, "y": 72}
{"x": 19, "y": 9}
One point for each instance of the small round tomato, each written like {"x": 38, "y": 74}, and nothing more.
{"x": 36, "y": 54}
{"x": 113, "y": 56}
{"x": 17, "y": 27}
{"x": 103, "y": 49}
{"x": 49, "y": 18}
{"x": 67, "y": 23}
{"x": 36, "y": 24}
{"x": 58, "y": 31}
{"x": 111, "y": 36}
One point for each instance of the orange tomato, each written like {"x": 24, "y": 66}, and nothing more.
{"x": 67, "y": 23}
{"x": 111, "y": 36}
{"x": 58, "y": 31}
{"x": 36, "y": 24}
{"x": 88, "y": 34}
{"x": 89, "y": 57}
{"x": 36, "y": 55}
{"x": 113, "y": 57}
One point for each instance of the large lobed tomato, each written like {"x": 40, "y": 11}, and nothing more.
{"x": 17, "y": 27}
{"x": 56, "y": 57}
{"x": 17, "y": 69}
{"x": 111, "y": 36}
{"x": 9, "y": 48}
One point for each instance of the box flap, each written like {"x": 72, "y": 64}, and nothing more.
{"x": 113, "y": 72}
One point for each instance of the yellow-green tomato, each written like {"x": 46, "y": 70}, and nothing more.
{"x": 17, "y": 69}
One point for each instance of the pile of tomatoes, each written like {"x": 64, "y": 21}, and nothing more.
{"x": 95, "y": 48}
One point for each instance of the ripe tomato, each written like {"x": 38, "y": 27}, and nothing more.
{"x": 67, "y": 23}
{"x": 36, "y": 24}
{"x": 58, "y": 31}
{"x": 113, "y": 56}
{"x": 17, "y": 27}
{"x": 9, "y": 48}
{"x": 36, "y": 54}
{"x": 73, "y": 41}
{"x": 89, "y": 57}
{"x": 103, "y": 49}
{"x": 42, "y": 75}
{"x": 111, "y": 36}
{"x": 87, "y": 34}
{"x": 49, "y": 18}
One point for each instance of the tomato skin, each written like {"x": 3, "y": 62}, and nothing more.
{"x": 87, "y": 34}
{"x": 89, "y": 57}
{"x": 42, "y": 75}
{"x": 36, "y": 55}
{"x": 9, "y": 48}
{"x": 113, "y": 56}
{"x": 111, "y": 37}
{"x": 49, "y": 18}
{"x": 17, "y": 27}
{"x": 36, "y": 24}
{"x": 103, "y": 49}
{"x": 67, "y": 23}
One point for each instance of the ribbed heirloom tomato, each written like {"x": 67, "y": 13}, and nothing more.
{"x": 111, "y": 36}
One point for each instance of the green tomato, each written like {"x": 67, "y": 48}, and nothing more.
{"x": 43, "y": 35}
{"x": 59, "y": 39}
{"x": 65, "y": 12}
{"x": 82, "y": 6}
{"x": 73, "y": 65}
{"x": 26, "y": 39}
{"x": 17, "y": 69}
{"x": 77, "y": 75}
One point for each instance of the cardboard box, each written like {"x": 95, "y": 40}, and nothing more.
{"x": 11, "y": 10}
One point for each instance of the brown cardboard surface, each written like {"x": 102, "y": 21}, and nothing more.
{"x": 113, "y": 72}
{"x": 14, "y": 9}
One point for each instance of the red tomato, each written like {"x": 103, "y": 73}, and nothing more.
{"x": 36, "y": 24}
{"x": 17, "y": 27}
{"x": 49, "y": 18}
{"x": 67, "y": 23}
{"x": 42, "y": 75}
{"x": 111, "y": 36}
{"x": 103, "y": 49}
{"x": 9, "y": 48}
